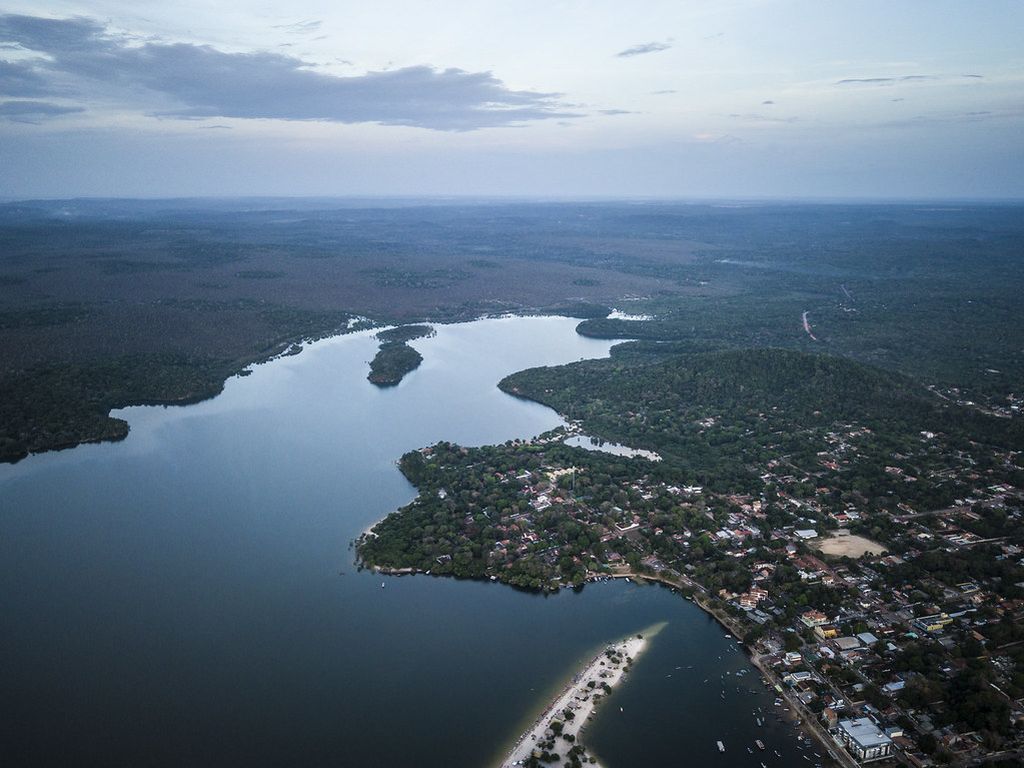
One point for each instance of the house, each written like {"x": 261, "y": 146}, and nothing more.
{"x": 793, "y": 678}
{"x": 750, "y": 600}
{"x": 813, "y": 619}
{"x": 825, "y": 632}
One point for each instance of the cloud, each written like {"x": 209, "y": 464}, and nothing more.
{"x": 615, "y": 112}
{"x": 642, "y": 48}
{"x": 767, "y": 102}
{"x": 900, "y": 79}
{"x": 974, "y": 116}
{"x": 884, "y": 80}
{"x": 753, "y": 117}
{"x": 19, "y": 79}
{"x": 300, "y": 27}
{"x": 663, "y": 93}
{"x": 202, "y": 81}
{"x": 33, "y": 111}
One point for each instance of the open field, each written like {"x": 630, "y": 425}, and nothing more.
{"x": 850, "y": 545}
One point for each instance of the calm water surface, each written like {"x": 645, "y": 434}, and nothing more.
{"x": 187, "y": 596}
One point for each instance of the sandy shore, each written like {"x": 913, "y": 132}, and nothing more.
{"x": 579, "y": 697}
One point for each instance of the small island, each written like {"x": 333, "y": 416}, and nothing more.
{"x": 395, "y": 357}
{"x": 555, "y": 736}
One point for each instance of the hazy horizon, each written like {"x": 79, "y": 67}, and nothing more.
{"x": 746, "y": 99}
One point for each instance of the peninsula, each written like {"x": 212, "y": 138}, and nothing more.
{"x": 910, "y": 627}
{"x": 555, "y": 737}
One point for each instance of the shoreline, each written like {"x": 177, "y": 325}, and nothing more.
{"x": 587, "y": 687}
{"x": 807, "y": 723}
{"x": 697, "y": 595}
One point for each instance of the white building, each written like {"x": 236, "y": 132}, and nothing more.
{"x": 864, "y": 739}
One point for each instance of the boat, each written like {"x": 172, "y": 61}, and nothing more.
{"x": 721, "y": 746}
{"x": 760, "y": 744}
{"x": 382, "y": 585}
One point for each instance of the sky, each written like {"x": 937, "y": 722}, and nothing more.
{"x": 791, "y": 99}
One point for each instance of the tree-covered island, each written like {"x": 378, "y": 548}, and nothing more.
{"x": 395, "y": 357}
{"x": 771, "y": 459}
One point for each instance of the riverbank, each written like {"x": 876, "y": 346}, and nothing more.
{"x": 805, "y": 719}
{"x": 557, "y": 730}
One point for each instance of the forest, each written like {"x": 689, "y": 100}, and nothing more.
{"x": 90, "y": 285}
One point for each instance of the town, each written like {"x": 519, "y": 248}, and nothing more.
{"x": 888, "y": 623}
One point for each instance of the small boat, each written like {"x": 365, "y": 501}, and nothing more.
{"x": 760, "y": 744}
{"x": 721, "y": 746}
{"x": 382, "y": 585}
{"x": 750, "y": 750}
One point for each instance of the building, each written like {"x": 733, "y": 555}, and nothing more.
{"x": 794, "y": 678}
{"x": 813, "y": 619}
{"x": 846, "y": 643}
{"x": 934, "y": 623}
{"x": 825, "y": 632}
{"x": 864, "y": 739}
{"x": 750, "y": 600}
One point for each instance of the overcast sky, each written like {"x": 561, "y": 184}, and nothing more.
{"x": 549, "y": 98}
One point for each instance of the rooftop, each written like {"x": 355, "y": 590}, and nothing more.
{"x": 864, "y": 732}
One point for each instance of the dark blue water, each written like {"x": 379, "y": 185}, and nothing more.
{"x": 187, "y": 596}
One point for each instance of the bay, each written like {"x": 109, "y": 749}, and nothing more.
{"x": 188, "y": 596}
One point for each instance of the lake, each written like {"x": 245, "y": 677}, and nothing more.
{"x": 188, "y": 596}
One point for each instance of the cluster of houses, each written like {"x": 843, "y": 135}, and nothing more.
{"x": 861, "y": 639}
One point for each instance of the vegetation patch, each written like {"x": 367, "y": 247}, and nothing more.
{"x": 395, "y": 358}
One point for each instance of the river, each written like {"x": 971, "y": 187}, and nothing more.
{"x": 188, "y": 596}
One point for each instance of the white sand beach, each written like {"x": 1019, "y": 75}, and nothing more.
{"x": 578, "y": 698}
